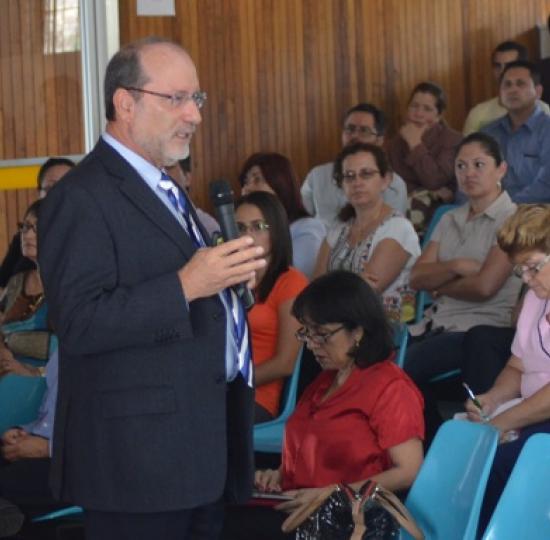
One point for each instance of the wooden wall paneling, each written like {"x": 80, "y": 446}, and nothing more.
{"x": 28, "y": 117}
{"x": 281, "y": 73}
{"x": 36, "y": 38}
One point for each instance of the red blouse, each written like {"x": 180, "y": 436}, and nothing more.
{"x": 345, "y": 438}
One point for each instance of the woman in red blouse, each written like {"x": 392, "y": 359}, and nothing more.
{"x": 362, "y": 417}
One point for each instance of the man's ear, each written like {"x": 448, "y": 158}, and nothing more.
{"x": 539, "y": 89}
{"x": 124, "y": 103}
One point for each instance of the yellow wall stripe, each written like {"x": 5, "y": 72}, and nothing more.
{"x": 18, "y": 177}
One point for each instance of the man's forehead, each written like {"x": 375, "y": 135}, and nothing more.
{"x": 160, "y": 59}
{"x": 360, "y": 117}
{"x": 506, "y": 56}
{"x": 517, "y": 73}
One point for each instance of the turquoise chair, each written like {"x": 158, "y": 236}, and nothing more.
{"x": 70, "y": 511}
{"x": 268, "y": 436}
{"x": 20, "y": 399}
{"x": 400, "y": 340}
{"x": 523, "y": 511}
{"x": 446, "y": 496}
{"x": 423, "y": 298}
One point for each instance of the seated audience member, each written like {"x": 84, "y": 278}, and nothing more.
{"x": 523, "y": 134}
{"x": 487, "y": 111}
{"x": 322, "y": 198}
{"x": 181, "y": 173}
{"x": 25, "y": 453}
{"x": 360, "y": 419}
{"x": 274, "y": 173}
{"x": 272, "y": 327}
{"x": 371, "y": 239}
{"x": 465, "y": 271}
{"x": 519, "y": 400}
{"x": 49, "y": 173}
{"x": 23, "y": 321}
{"x": 423, "y": 153}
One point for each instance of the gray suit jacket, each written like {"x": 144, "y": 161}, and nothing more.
{"x": 145, "y": 421}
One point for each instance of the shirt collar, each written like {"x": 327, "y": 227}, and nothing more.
{"x": 492, "y": 211}
{"x": 530, "y": 124}
{"x": 144, "y": 168}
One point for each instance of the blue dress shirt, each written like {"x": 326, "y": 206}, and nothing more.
{"x": 527, "y": 152}
{"x": 43, "y": 425}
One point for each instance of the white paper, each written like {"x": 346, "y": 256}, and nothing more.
{"x": 156, "y": 8}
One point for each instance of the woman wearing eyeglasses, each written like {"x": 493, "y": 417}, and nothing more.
{"x": 274, "y": 173}
{"x": 272, "y": 327}
{"x": 518, "y": 404}
{"x": 371, "y": 239}
{"x": 467, "y": 274}
{"x": 422, "y": 153}
{"x": 25, "y": 335}
{"x": 360, "y": 419}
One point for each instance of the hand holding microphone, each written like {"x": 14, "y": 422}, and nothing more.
{"x": 231, "y": 264}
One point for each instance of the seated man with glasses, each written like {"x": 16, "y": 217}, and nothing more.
{"x": 320, "y": 194}
{"x": 360, "y": 419}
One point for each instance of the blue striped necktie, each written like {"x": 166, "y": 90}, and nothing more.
{"x": 239, "y": 328}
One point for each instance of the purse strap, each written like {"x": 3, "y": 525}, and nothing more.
{"x": 301, "y": 514}
{"x": 396, "y": 508}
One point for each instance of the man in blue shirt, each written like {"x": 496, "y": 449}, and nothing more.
{"x": 523, "y": 134}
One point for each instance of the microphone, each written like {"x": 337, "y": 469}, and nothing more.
{"x": 221, "y": 196}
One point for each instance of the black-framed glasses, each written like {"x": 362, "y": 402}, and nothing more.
{"x": 319, "y": 338}
{"x": 531, "y": 270}
{"x": 178, "y": 99}
{"x": 363, "y": 131}
{"x": 349, "y": 176}
{"x": 259, "y": 225}
{"x": 26, "y": 226}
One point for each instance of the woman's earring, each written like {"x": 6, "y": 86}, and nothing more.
{"x": 356, "y": 344}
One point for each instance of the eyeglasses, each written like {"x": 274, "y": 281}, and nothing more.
{"x": 303, "y": 335}
{"x": 178, "y": 99}
{"x": 255, "y": 226}
{"x": 531, "y": 270}
{"x": 364, "y": 131}
{"x": 349, "y": 176}
{"x": 25, "y": 227}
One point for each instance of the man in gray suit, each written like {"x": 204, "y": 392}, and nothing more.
{"x": 154, "y": 415}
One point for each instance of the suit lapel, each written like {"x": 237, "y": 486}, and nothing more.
{"x": 139, "y": 194}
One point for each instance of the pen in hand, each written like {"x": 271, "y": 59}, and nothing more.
{"x": 476, "y": 402}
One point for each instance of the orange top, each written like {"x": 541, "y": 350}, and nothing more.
{"x": 263, "y": 320}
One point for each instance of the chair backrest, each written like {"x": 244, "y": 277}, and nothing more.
{"x": 400, "y": 340}
{"x": 290, "y": 390}
{"x": 523, "y": 510}
{"x": 20, "y": 398}
{"x": 446, "y": 496}
{"x": 423, "y": 298}
{"x": 437, "y": 215}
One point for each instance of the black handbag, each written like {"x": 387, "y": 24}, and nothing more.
{"x": 341, "y": 513}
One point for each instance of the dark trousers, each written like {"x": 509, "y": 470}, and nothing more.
{"x": 480, "y": 354}
{"x": 254, "y": 523}
{"x": 505, "y": 459}
{"x": 26, "y": 483}
{"x": 202, "y": 523}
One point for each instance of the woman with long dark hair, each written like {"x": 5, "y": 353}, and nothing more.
{"x": 274, "y": 349}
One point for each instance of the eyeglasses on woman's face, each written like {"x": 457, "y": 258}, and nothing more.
{"x": 27, "y": 226}
{"x": 348, "y": 177}
{"x": 531, "y": 270}
{"x": 305, "y": 334}
{"x": 256, "y": 226}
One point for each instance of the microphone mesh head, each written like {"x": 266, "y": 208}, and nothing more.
{"x": 220, "y": 192}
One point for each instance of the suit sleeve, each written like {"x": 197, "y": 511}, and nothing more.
{"x": 91, "y": 311}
